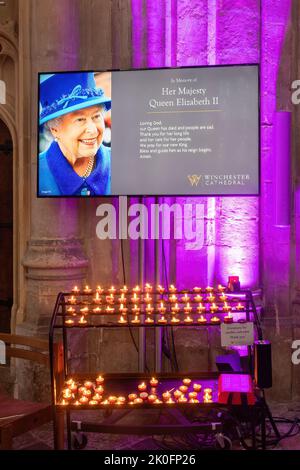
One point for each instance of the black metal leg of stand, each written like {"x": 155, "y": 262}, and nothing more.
{"x": 69, "y": 434}
{"x": 253, "y": 429}
{"x": 267, "y": 413}
{"x": 263, "y": 426}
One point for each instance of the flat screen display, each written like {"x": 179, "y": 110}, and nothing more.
{"x": 180, "y": 131}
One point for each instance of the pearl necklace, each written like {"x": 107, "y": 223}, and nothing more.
{"x": 89, "y": 168}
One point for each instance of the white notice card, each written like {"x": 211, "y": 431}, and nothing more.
{"x": 237, "y": 334}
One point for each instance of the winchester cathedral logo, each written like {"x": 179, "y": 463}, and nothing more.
{"x": 194, "y": 179}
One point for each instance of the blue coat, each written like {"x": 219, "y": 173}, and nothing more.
{"x": 57, "y": 177}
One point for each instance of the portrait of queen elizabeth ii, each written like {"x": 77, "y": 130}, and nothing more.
{"x": 75, "y": 161}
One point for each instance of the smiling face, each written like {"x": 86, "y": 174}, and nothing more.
{"x": 80, "y": 133}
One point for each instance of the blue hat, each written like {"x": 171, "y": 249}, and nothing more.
{"x": 62, "y": 93}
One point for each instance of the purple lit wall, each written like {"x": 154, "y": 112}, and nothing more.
{"x": 202, "y": 32}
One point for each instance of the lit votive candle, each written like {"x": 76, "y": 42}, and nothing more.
{"x": 186, "y": 381}
{"x": 110, "y": 298}
{"x": 73, "y": 387}
{"x": 152, "y": 398}
{"x": 138, "y": 401}
{"x": 87, "y": 393}
{"x": 226, "y": 307}
{"x": 76, "y": 290}
{"x": 177, "y": 394}
{"x": 193, "y": 400}
{"x": 99, "y": 289}
{"x": 161, "y": 308}
{"x": 173, "y": 298}
{"x": 160, "y": 289}
{"x": 170, "y": 401}
{"x": 136, "y": 289}
{"x": 122, "y": 320}
{"x": 198, "y": 298}
{"x": 97, "y": 397}
{"x": 175, "y": 309}
{"x": 175, "y": 320}
{"x": 84, "y": 310}
{"x": 71, "y": 311}
{"x": 148, "y": 287}
{"x": 99, "y": 380}
{"x": 97, "y": 298}
{"x": 153, "y": 382}
{"x": 93, "y": 402}
{"x": 149, "y": 320}
{"x": 122, "y": 299}
{"x": 67, "y": 394}
{"x": 72, "y": 300}
{"x": 193, "y": 395}
{"x": 142, "y": 387}
{"x": 87, "y": 290}
{"x": 202, "y": 319}
{"x": 123, "y": 309}
{"x": 223, "y": 298}
{"x": 197, "y": 289}
{"x": 209, "y": 289}
{"x": 81, "y": 390}
{"x": 166, "y": 396}
{"x": 77, "y": 403}
{"x": 121, "y": 400}
{"x": 135, "y": 298}
{"x": 215, "y": 320}
{"x": 210, "y": 298}
{"x": 201, "y": 308}
{"x": 208, "y": 390}
{"x": 157, "y": 401}
{"x": 239, "y": 306}
{"x": 99, "y": 389}
{"x": 162, "y": 319}
{"x": 132, "y": 396}
{"x": 147, "y": 298}
{"x": 149, "y": 309}
{"x": 197, "y": 387}
{"x": 144, "y": 396}
{"x": 97, "y": 310}
{"x": 188, "y": 319}
{"x": 83, "y": 400}
{"x": 124, "y": 290}
{"x": 185, "y": 298}
{"x": 221, "y": 288}
{"x": 112, "y": 290}
{"x": 64, "y": 402}
{"x": 228, "y": 318}
{"x": 109, "y": 309}
{"x": 69, "y": 322}
{"x": 112, "y": 399}
{"x": 182, "y": 399}
{"x": 183, "y": 388}
{"x": 136, "y": 320}
{"x": 187, "y": 308}
{"x": 105, "y": 402}
{"x": 213, "y": 307}
{"x": 172, "y": 289}
{"x": 82, "y": 321}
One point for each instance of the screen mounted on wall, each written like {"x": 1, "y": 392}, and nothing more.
{"x": 185, "y": 131}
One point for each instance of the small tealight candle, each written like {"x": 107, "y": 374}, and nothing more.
{"x": 109, "y": 309}
{"x": 93, "y": 402}
{"x": 188, "y": 308}
{"x": 197, "y": 387}
{"x": 97, "y": 298}
{"x": 175, "y": 309}
{"x": 197, "y": 289}
{"x": 112, "y": 290}
{"x": 221, "y": 288}
{"x": 83, "y": 400}
{"x": 226, "y": 307}
{"x": 188, "y": 319}
{"x": 142, "y": 387}
{"x": 149, "y": 309}
{"x": 132, "y": 396}
{"x": 97, "y": 310}
{"x": 138, "y": 401}
{"x": 136, "y": 309}
{"x": 160, "y": 289}
{"x": 170, "y": 400}
{"x": 123, "y": 309}
{"x": 136, "y": 320}
{"x": 147, "y": 298}
{"x": 193, "y": 395}
{"x": 64, "y": 402}
{"x": 135, "y": 298}
{"x": 223, "y": 298}
{"x": 99, "y": 389}
{"x": 72, "y": 300}
{"x": 213, "y": 307}
{"x": 76, "y": 290}
{"x": 99, "y": 380}
{"x": 198, "y": 298}
{"x": 136, "y": 289}
{"x": 105, "y": 402}
{"x": 161, "y": 308}
{"x": 124, "y": 289}
{"x": 99, "y": 289}
{"x": 239, "y": 306}
{"x": 228, "y": 318}
{"x": 97, "y": 397}
{"x": 87, "y": 290}
{"x": 152, "y": 398}
{"x": 177, "y": 394}
{"x": 183, "y": 388}
{"x": 201, "y": 308}
{"x": 172, "y": 288}
{"x": 112, "y": 399}
{"x": 73, "y": 387}
{"x": 70, "y": 382}
{"x": 182, "y": 399}
{"x": 84, "y": 310}
{"x": 175, "y": 320}
{"x": 186, "y": 382}
{"x": 81, "y": 390}
{"x": 208, "y": 390}
{"x": 77, "y": 403}
{"x": 110, "y": 298}
{"x": 148, "y": 287}
{"x": 121, "y": 400}
{"x": 122, "y": 320}
{"x": 69, "y": 322}
{"x": 153, "y": 382}
{"x": 67, "y": 394}
{"x": 162, "y": 319}
{"x": 82, "y": 321}
{"x": 215, "y": 320}
{"x": 144, "y": 396}
{"x": 157, "y": 401}
{"x": 122, "y": 299}
{"x": 185, "y": 298}
{"x": 87, "y": 393}
{"x": 88, "y": 384}
{"x": 209, "y": 289}
{"x": 210, "y": 298}
{"x": 166, "y": 396}
{"x": 193, "y": 400}
{"x": 71, "y": 311}
{"x": 149, "y": 320}
{"x": 202, "y": 319}
{"x": 173, "y": 298}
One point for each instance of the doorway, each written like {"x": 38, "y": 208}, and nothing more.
{"x": 6, "y": 227}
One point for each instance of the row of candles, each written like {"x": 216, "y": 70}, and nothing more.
{"x": 93, "y": 393}
{"x": 162, "y": 320}
{"x": 147, "y": 288}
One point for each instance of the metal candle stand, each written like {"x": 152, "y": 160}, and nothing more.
{"x": 124, "y": 383}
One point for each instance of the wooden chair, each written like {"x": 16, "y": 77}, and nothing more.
{"x": 18, "y": 416}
